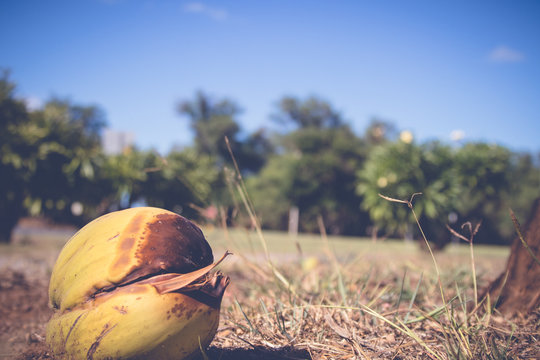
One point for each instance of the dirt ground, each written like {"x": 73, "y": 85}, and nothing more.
{"x": 24, "y": 309}
{"x": 24, "y": 312}
{"x": 317, "y": 332}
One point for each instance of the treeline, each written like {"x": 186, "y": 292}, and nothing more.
{"x": 53, "y": 165}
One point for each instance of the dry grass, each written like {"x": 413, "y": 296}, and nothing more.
{"x": 366, "y": 309}
{"x": 328, "y": 308}
{"x": 329, "y": 298}
{"x": 345, "y": 299}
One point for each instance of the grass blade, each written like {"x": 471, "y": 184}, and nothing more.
{"x": 413, "y": 298}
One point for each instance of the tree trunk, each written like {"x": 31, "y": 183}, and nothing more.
{"x": 517, "y": 289}
{"x": 7, "y": 224}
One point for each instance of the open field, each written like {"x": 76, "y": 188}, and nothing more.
{"x": 309, "y": 297}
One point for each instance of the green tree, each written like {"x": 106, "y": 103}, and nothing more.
{"x": 16, "y": 165}
{"x": 524, "y": 184}
{"x": 311, "y": 112}
{"x": 49, "y": 159}
{"x": 484, "y": 172}
{"x": 183, "y": 181}
{"x": 212, "y": 121}
{"x": 67, "y": 161}
{"x": 379, "y": 131}
{"x": 324, "y": 182}
{"x": 314, "y": 171}
{"x": 270, "y": 189}
{"x": 254, "y": 151}
{"x": 399, "y": 169}
{"x": 126, "y": 174}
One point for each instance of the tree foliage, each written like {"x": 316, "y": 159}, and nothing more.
{"x": 212, "y": 121}
{"x": 180, "y": 180}
{"x": 270, "y": 190}
{"x": 68, "y": 158}
{"x": 315, "y": 172}
{"x": 400, "y": 169}
{"x": 51, "y": 158}
{"x": 312, "y": 112}
{"x": 15, "y": 165}
{"x": 524, "y": 184}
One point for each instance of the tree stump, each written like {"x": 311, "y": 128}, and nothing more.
{"x": 517, "y": 289}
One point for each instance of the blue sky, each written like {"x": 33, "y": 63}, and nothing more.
{"x": 430, "y": 67}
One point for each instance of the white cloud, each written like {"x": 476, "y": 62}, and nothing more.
{"x": 33, "y": 103}
{"x": 194, "y": 7}
{"x": 210, "y": 11}
{"x": 457, "y": 135}
{"x": 504, "y": 54}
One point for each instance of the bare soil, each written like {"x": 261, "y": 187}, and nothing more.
{"x": 24, "y": 309}
{"x": 263, "y": 320}
{"x": 24, "y": 312}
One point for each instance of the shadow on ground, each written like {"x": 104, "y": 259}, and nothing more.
{"x": 40, "y": 352}
{"x": 257, "y": 352}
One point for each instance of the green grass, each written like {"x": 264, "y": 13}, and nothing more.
{"x": 313, "y": 244}
{"x": 44, "y": 246}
